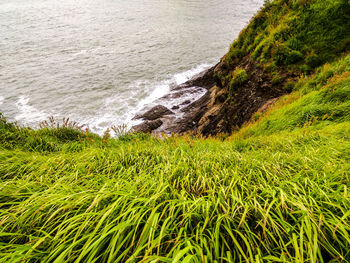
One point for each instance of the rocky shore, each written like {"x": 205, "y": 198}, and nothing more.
{"x": 214, "y": 111}
{"x": 183, "y": 116}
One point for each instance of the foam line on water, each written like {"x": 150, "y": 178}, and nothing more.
{"x": 182, "y": 77}
{"x": 28, "y": 113}
{"x": 154, "y": 92}
{"x": 163, "y": 88}
{"x": 109, "y": 113}
{"x": 158, "y": 91}
{"x": 2, "y": 100}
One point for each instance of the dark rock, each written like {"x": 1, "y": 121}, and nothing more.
{"x": 216, "y": 112}
{"x": 185, "y": 102}
{"x": 147, "y": 126}
{"x": 192, "y": 114}
{"x": 228, "y": 113}
{"x": 198, "y": 104}
{"x": 154, "y": 113}
{"x": 175, "y": 95}
{"x": 204, "y": 79}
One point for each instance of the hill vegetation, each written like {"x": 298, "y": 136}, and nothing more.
{"x": 285, "y": 41}
{"x": 299, "y": 35}
{"x": 276, "y": 190}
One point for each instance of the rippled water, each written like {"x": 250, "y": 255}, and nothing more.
{"x": 100, "y": 61}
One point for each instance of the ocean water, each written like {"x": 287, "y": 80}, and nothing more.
{"x": 101, "y": 61}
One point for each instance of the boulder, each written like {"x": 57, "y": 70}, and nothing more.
{"x": 147, "y": 126}
{"x": 154, "y": 113}
{"x": 185, "y": 102}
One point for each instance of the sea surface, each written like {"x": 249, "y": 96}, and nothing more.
{"x": 101, "y": 61}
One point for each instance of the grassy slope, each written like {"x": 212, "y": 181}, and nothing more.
{"x": 275, "y": 191}
{"x": 288, "y": 38}
{"x": 298, "y": 34}
{"x": 278, "y": 190}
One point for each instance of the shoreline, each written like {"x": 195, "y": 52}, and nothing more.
{"x": 217, "y": 110}
{"x": 186, "y": 114}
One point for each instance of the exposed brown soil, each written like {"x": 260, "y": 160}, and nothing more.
{"x": 216, "y": 112}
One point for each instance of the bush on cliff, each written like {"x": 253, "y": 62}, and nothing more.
{"x": 239, "y": 77}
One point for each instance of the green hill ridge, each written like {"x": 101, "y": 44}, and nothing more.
{"x": 275, "y": 190}
{"x": 285, "y": 41}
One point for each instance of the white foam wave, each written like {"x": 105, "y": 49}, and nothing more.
{"x": 27, "y": 113}
{"x": 161, "y": 89}
{"x": 116, "y": 108}
{"x": 118, "y": 111}
{"x": 182, "y": 77}
{"x": 157, "y": 91}
{"x": 2, "y": 100}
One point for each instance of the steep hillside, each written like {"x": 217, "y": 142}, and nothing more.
{"x": 286, "y": 40}
{"x": 277, "y": 189}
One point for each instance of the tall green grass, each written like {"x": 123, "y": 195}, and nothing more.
{"x": 298, "y": 34}
{"x": 276, "y": 198}
{"x": 321, "y": 99}
{"x": 275, "y": 191}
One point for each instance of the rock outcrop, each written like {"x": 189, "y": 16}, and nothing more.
{"x": 218, "y": 110}
{"x": 148, "y": 126}
{"x": 155, "y": 113}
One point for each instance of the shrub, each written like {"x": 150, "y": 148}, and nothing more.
{"x": 283, "y": 55}
{"x": 64, "y": 131}
{"x": 63, "y": 134}
{"x": 239, "y": 77}
{"x": 313, "y": 60}
{"x": 294, "y": 56}
{"x": 234, "y": 55}
{"x": 280, "y": 54}
{"x": 277, "y": 79}
{"x": 266, "y": 52}
{"x": 289, "y": 86}
{"x": 10, "y": 134}
{"x": 258, "y": 51}
{"x": 305, "y": 69}
{"x": 39, "y": 144}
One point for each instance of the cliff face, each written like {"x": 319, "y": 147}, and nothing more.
{"x": 233, "y": 103}
{"x": 285, "y": 40}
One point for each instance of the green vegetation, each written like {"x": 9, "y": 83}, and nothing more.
{"x": 299, "y": 34}
{"x": 318, "y": 99}
{"x": 277, "y": 190}
{"x": 239, "y": 77}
